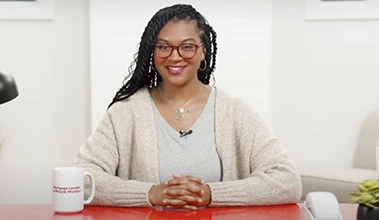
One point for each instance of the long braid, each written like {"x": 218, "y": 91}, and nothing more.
{"x": 142, "y": 72}
{"x": 210, "y": 58}
{"x": 214, "y": 51}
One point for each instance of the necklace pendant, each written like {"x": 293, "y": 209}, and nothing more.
{"x": 179, "y": 116}
{"x": 180, "y": 110}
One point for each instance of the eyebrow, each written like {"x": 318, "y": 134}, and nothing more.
{"x": 185, "y": 40}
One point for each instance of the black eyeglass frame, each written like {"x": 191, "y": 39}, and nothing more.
{"x": 177, "y": 49}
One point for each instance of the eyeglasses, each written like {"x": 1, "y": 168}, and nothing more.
{"x": 186, "y": 50}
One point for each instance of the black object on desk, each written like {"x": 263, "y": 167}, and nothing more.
{"x": 8, "y": 88}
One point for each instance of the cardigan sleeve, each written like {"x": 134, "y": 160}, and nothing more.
{"x": 100, "y": 157}
{"x": 257, "y": 168}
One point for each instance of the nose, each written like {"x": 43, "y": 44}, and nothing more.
{"x": 175, "y": 54}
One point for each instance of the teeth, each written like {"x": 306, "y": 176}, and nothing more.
{"x": 174, "y": 68}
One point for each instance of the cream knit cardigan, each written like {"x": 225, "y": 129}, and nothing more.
{"x": 121, "y": 154}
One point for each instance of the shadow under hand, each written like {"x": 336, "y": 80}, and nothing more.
{"x": 173, "y": 214}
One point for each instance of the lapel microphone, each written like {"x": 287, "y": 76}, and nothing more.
{"x": 184, "y": 134}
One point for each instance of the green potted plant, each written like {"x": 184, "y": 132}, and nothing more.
{"x": 368, "y": 199}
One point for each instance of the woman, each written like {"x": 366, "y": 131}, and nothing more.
{"x": 170, "y": 139}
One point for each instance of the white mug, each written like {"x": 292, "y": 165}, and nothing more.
{"x": 68, "y": 189}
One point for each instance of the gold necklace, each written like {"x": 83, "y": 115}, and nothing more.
{"x": 180, "y": 110}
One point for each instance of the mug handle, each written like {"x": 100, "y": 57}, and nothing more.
{"x": 90, "y": 198}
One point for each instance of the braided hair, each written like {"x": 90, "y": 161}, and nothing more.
{"x": 142, "y": 72}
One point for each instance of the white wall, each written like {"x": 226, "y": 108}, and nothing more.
{"x": 50, "y": 120}
{"x": 44, "y": 127}
{"x": 243, "y": 34}
{"x": 325, "y": 81}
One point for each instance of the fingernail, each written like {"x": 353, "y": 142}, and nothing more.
{"x": 194, "y": 208}
{"x": 164, "y": 191}
{"x": 165, "y": 201}
{"x": 166, "y": 183}
{"x": 202, "y": 192}
{"x": 200, "y": 201}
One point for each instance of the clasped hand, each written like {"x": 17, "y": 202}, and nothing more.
{"x": 186, "y": 192}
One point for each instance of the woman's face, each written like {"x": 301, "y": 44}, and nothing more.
{"x": 175, "y": 69}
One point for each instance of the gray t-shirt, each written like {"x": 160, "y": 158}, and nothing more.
{"x": 194, "y": 154}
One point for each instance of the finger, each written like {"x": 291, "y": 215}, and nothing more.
{"x": 174, "y": 202}
{"x": 176, "y": 175}
{"x": 196, "y": 180}
{"x": 184, "y": 180}
{"x": 194, "y": 189}
{"x": 175, "y": 182}
{"x": 183, "y": 195}
{"x": 190, "y": 207}
{"x": 188, "y": 177}
{"x": 176, "y": 192}
{"x": 191, "y": 200}
{"x": 185, "y": 189}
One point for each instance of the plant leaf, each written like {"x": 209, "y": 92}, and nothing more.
{"x": 362, "y": 188}
{"x": 366, "y": 197}
{"x": 369, "y": 205}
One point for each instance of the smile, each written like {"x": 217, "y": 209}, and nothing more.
{"x": 175, "y": 69}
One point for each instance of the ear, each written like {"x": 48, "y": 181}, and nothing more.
{"x": 203, "y": 53}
